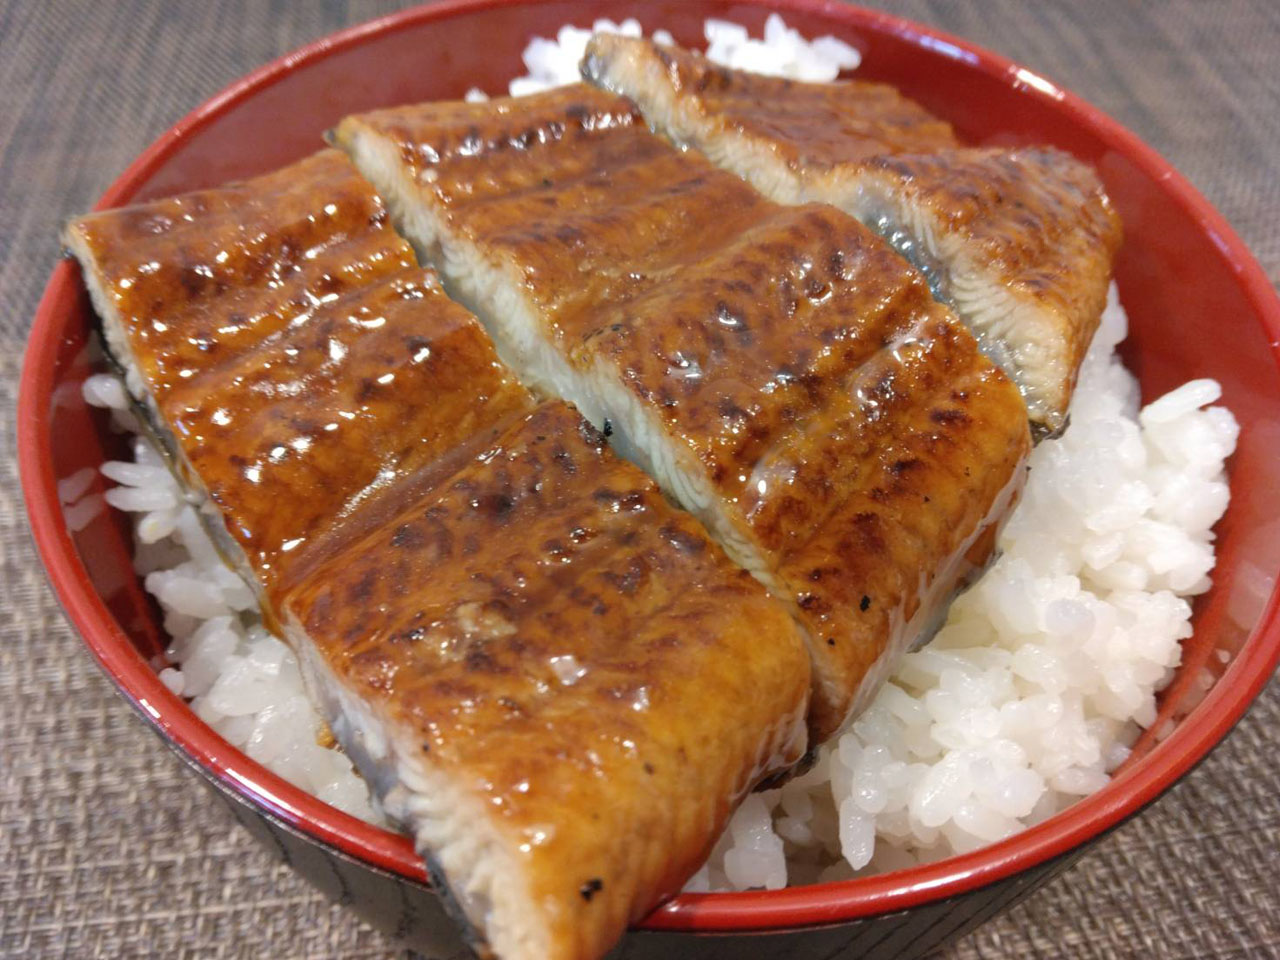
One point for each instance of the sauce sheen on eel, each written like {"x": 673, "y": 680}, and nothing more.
{"x": 565, "y": 684}
{"x": 267, "y": 331}
{"x": 1018, "y": 241}
{"x": 780, "y": 371}
{"x": 550, "y": 676}
{"x": 183, "y": 282}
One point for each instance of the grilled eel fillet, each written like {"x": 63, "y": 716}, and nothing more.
{"x": 549, "y": 675}
{"x": 220, "y": 307}
{"x": 1018, "y": 241}
{"x": 557, "y": 681}
{"x": 780, "y": 371}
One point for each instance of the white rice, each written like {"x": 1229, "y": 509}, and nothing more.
{"x": 238, "y": 678}
{"x": 782, "y": 52}
{"x": 1041, "y": 679}
{"x": 1046, "y": 670}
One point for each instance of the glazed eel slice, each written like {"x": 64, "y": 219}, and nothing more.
{"x": 230, "y": 265}
{"x": 1018, "y": 241}
{"x": 556, "y": 681}
{"x": 780, "y": 371}
{"x": 253, "y": 322}
{"x": 548, "y": 674}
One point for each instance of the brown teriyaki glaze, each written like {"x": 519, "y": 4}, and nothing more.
{"x": 567, "y": 186}
{"x": 806, "y": 124}
{"x": 301, "y": 366}
{"x": 1035, "y": 220}
{"x": 198, "y": 278}
{"x": 296, "y": 439}
{"x": 524, "y": 614}
{"x": 788, "y": 355}
{"x": 1018, "y": 241}
{"x": 546, "y": 631}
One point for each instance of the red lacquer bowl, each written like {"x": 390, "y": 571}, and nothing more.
{"x": 1199, "y": 304}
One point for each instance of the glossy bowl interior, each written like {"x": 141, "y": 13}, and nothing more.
{"x": 1199, "y": 306}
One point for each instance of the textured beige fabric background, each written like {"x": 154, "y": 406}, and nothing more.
{"x": 107, "y": 846}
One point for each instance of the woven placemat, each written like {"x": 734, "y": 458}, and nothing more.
{"x": 107, "y": 846}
